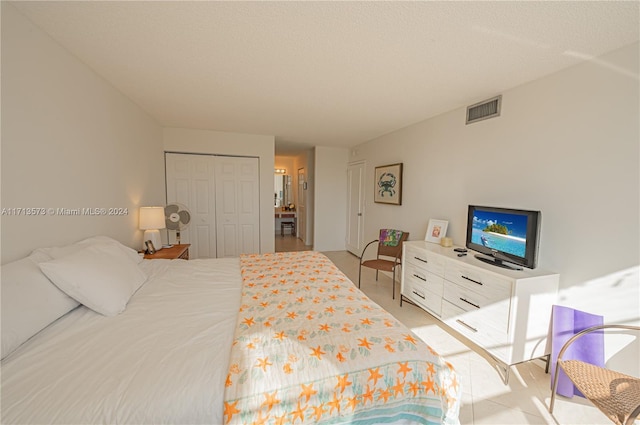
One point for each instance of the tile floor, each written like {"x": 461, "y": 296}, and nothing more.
{"x": 288, "y": 243}
{"x": 486, "y": 399}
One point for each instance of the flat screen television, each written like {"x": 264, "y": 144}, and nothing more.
{"x": 505, "y": 236}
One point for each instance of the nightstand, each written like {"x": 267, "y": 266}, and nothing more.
{"x": 173, "y": 253}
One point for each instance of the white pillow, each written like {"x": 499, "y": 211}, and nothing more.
{"x": 30, "y": 302}
{"x": 101, "y": 276}
{"x": 62, "y": 251}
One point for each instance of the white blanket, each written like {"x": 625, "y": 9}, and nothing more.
{"x": 164, "y": 360}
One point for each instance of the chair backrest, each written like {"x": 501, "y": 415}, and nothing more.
{"x": 394, "y": 251}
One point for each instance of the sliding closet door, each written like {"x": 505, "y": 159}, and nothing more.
{"x": 237, "y": 206}
{"x": 191, "y": 182}
{"x": 222, "y": 195}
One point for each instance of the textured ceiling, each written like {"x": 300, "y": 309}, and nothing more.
{"x": 326, "y": 73}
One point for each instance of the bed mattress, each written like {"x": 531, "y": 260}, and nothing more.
{"x": 167, "y": 352}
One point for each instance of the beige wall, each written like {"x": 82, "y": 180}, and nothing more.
{"x": 330, "y": 199}
{"x": 305, "y": 160}
{"x": 69, "y": 140}
{"x": 567, "y": 145}
{"x": 237, "y": 144}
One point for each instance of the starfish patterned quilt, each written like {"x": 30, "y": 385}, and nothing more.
{"x": 310, "y": 347}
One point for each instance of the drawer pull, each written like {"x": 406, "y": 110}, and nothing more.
{"x": 464, "y": 324}
{"x": 469, "y": 302}
{"x": 421, "y": 296}
{"x": 421, "y": 259}
{"x": 471, "y": 280}
{"x": 419, "y": 277}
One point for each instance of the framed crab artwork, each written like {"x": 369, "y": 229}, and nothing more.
{"x": 388, "y": 184}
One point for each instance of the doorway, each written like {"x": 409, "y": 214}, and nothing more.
{"x": 295, "y": 241}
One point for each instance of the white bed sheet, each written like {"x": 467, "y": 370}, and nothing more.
{"x": 164, "y": 360}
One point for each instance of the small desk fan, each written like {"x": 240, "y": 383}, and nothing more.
{"x": 177, "y": 217}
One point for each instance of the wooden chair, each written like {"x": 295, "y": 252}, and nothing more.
{"x": 617, "y": 395}
{"x": 385, "y": 249}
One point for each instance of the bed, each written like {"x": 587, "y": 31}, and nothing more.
{"x": 272, "y": 338}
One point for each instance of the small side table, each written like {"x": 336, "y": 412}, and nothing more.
{"x": 175, "y": 252}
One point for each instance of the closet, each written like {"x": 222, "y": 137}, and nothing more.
{"x": 222, "y": 196}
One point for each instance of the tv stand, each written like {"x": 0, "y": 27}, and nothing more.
{"x": 502, "y": 311}
{"x": 497, "y": 262}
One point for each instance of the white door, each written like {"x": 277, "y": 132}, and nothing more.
{"x": 301, "y": 208}
{"x": 237, "y": 206}
{"x": 355, "y": 207}
{"x": 222, "y": 195}
{"x": 190, "y": 181}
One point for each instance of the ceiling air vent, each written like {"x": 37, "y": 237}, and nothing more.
{"x": 484, "y": 110}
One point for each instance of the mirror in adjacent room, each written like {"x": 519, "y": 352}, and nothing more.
{"x": 282, "y": 195}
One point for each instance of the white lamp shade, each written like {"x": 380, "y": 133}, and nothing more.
{"x": 152, "y": 218}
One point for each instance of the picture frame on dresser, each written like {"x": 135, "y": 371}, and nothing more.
{"x": 150, "y": 248}
{"x": 436, "y": 230}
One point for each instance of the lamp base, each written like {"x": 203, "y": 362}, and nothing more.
{"x": 154, "y": 237}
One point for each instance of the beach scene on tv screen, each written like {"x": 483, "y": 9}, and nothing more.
{"x": 500, "y": 231}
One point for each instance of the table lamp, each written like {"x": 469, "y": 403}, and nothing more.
{"x": 151, "y": 220}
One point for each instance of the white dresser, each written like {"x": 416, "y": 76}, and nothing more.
{"x": 505, "y": 312}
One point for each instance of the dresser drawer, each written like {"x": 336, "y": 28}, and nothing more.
{"x": 422, "y": 297}
{"x": 426, "y": 260}
{"x": 493, "y": 287}
{"x": 490, "y": 311}
{"x": 419, "y": 277}
{"x": 473, "y": 326}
